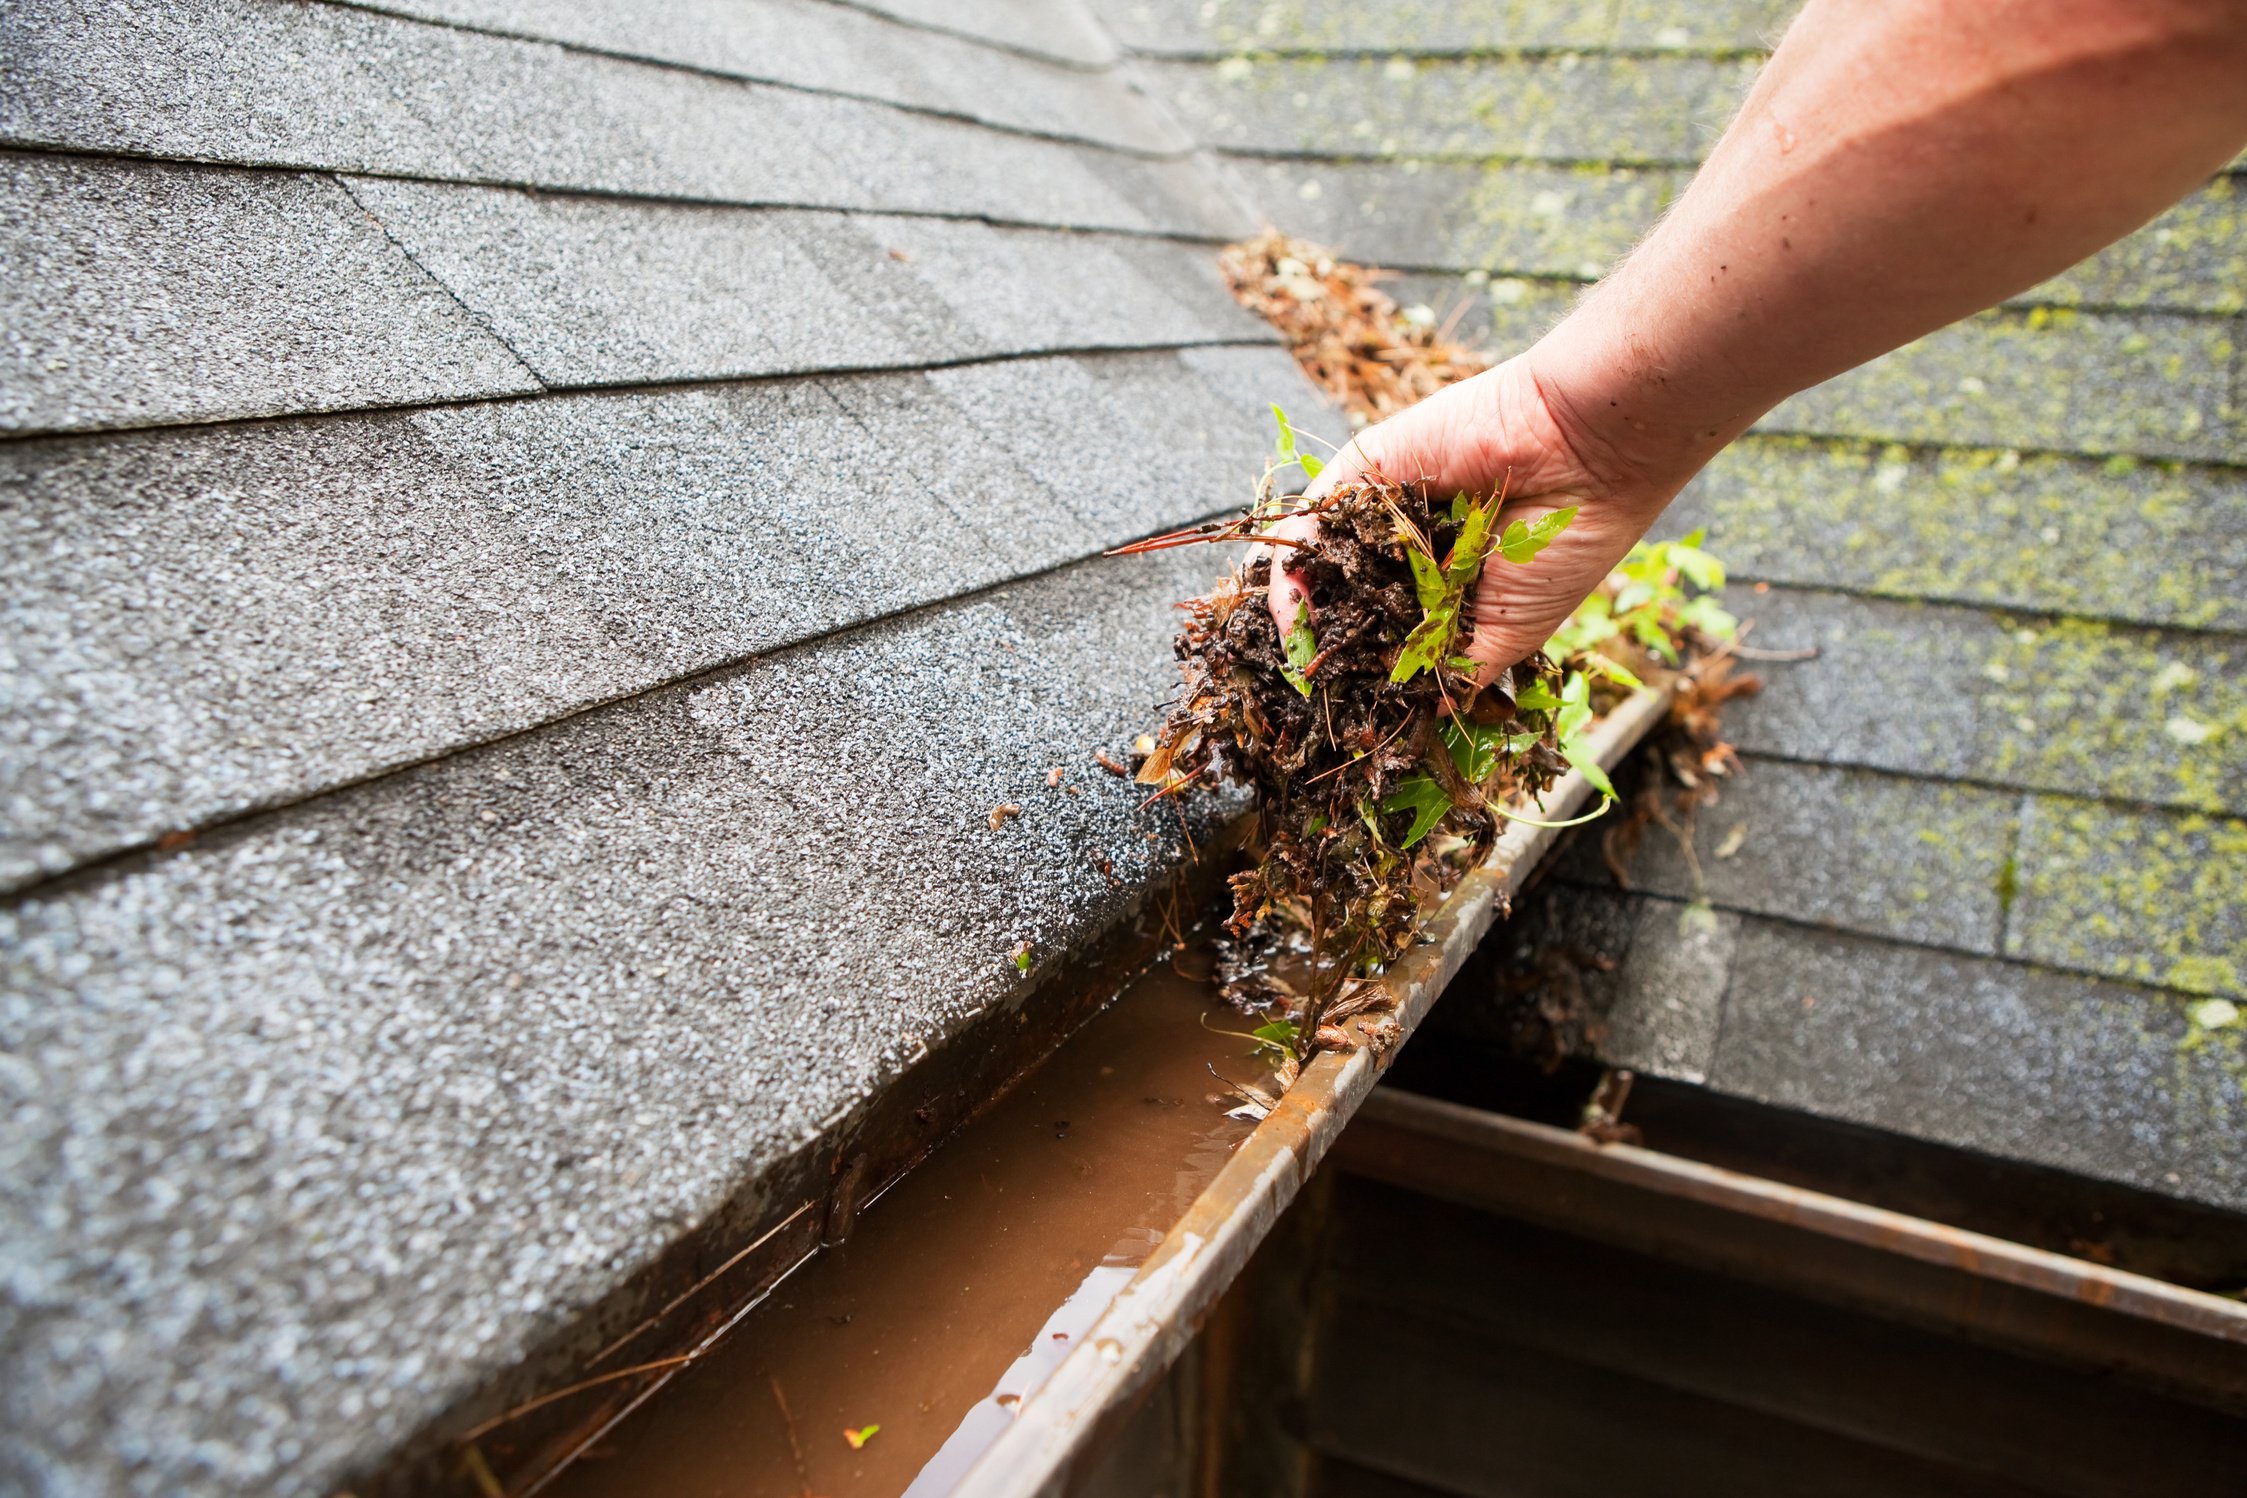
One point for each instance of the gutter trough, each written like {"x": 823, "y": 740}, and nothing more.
{"x": 1154, "y": 1317}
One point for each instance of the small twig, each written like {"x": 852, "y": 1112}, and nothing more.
{"x": 1175, "y": 786}
{"x": 520, "y": 1410}
{"x": 795, "y": 1447}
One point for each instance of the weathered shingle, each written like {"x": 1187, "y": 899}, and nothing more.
{"x": 1067, "y": 33}
{"x": 140, "y": 294}
{"x": 1513, "y": 218}
{"x": 1848, "y": 849}
{"x": 593, "y": 291}
{"x": 1531, "y": 219}
{"x": 321, "y": 86}
{"x": 2147, "y": 384}
{"x": 1423, "y": 27}
{"x": 1977, "y": 525}
{"x": 2159, "y": 897}
{"x": 2062, "y": 705}
{"x": 446, "y": 1057}
{"x": 1986, "y": 1055}
{"x": 1595, "y": 108}
{"x": 206, "y": 622}
{"x": 834, "y": 48}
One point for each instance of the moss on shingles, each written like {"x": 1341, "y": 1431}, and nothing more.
{"x": 2158, "y": 897}
{"x": 2136, "y": 713}
{"x": 2152, "y": 542}
{"x": 1577, "y": 106}
{"x": 2192, "y": 258}
{"x": 2050, "y": 378}
{"x": 1399, "y": 25}
{"x": 1454, "y": 25}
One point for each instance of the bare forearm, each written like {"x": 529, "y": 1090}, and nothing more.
{"x": 1896, "y": 167}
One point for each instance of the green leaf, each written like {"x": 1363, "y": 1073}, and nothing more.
{"x": 1473, "y": 545}
{"x": 1709, "y": 617}
{"x": 1427, "y": 578}
{"x": 1278, "y": 1035}
{"x": 1287, "y": 451}
{"x": 1614, "y": 671}
{"x": 1536, "y": 698}
{"x": 1522, "y": 542}
{"x": 1426, "y": 645}
{"x": 1569, "y": 730}
{"x": 1286, "y": 448}
{"x": 1426, "y": 800}
{"x": 1475, "y": 749}
{"x": 1698, "y": 567}
{"x": 1459, "y": 504}
{"x": 1302, "y": 648}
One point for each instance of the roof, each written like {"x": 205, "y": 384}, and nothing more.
{"x": 1993, "y": 846}
{"x": 539, "y": 534}
{"x": 538, "y": 538}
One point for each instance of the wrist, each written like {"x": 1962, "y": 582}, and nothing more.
{"x": 1640, "y": 421}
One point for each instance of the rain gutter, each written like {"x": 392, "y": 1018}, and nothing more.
{"x": 1154, "y": 1317}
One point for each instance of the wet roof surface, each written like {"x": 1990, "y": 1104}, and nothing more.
{"x": 574, "y": 525}
{"x": 585, "y": 517}
{"x": 1992, "y": 843}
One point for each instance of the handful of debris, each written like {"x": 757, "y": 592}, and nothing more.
{"x": 1377, "y": 764}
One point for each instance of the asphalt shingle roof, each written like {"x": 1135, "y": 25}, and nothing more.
{"x": 482, "y": 463}
{"x": 582, "y": 542}
{"x": 2017, "y": 771}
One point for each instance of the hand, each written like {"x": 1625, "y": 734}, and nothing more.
{"x": 1499, "y": 429}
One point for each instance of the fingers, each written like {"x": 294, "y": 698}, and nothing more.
{"x": 1517, "y": 607}
{"x": 1287, "y": 593}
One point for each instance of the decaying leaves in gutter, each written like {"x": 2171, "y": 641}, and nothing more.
{"x": 1371, "y": 357}
{"x": 1376, "y": 762}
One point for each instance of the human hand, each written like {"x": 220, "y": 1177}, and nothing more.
{"x": 1500, "y": 429}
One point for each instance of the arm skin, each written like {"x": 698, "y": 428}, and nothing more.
{"x": 1896, "y": 166}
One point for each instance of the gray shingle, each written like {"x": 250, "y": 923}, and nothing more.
{"x": 2157, "y": 897}
{"x": 315, "y": 1127}
{"x": 1842, "y": 848}
{"x": 1517, "y": 219}
{"x": 1211, "y": 27}
{"x": 209, "y": 621}
{"x": 596, "y": 291}
{"x": 1500, "y": 315}
{"x": 1668, "y": 1005}
{"x": 1125, "y": 482}
{"x": 2067, "y": 706}
{"x": 1067, "y": 33}
{"x": 1715, "y": 24}
{"x": 2191, "y": 259}
{"x": 1981, "y": 526}
{"x": 326, "y": 87}
{"x": 836, "y": 49}
{"x": 139, "y": 294}
{"x": 1583, "y": 107}
{"x": 1986, "y": 1055}
{"x": 1525, "y": 219}
{"x": 1205, "y": 27}
{"x": 2138, "y": 383}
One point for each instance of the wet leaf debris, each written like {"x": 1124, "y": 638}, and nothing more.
{"x": 1370, "y": 356}
{"x": 1375, "y": 760}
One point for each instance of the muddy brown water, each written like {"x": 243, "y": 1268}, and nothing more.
{"x": 962, "y": 1286}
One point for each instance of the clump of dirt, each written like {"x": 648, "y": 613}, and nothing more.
{"x": 1377, "y": 765}
{"x": 1351, "y": 338}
